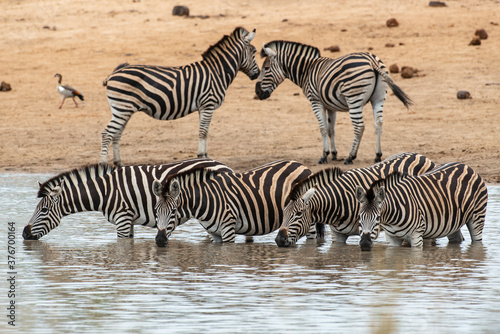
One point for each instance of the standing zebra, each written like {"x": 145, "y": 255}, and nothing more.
{"x": 429, "y": 206}
{"x": 328, "y": 197}
{"x": 226, "y": 204}
{"x": 124, "y": 195}
{"x": 331, "y": 85}
{"x": 168, "y": 93}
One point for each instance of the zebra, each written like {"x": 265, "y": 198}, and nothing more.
{"x": 123, "y": 195}
{"x": 433, "y": 205}
{"x": 328, "y": 197}
{"x": 226, "y": 204}
{"x": 168, "y": 93}
{"x": 331, "y": 85}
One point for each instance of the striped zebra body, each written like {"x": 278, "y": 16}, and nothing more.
{"x": 428, "y": 206}
{"x": 347, "y": 83}
{"x": 249, "y": 203}
{"x": 329, "y": 197}
{"x": 124, "y": 195}
{"x": 168, "y": 93}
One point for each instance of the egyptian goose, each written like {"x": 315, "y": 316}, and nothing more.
{"x": 67, "y": 91}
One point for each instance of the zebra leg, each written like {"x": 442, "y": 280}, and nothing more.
{"x": 393, "y": 240}
{"x": 475, "y": 227}
{"x": 338, "y": 237}
{"x": 359, "y": 128}
{"x": 319, "y": 112}
{"x": 456, "y": 237}
{"x": 377, "y": 100}
{"x": 416, "y": 240}
{"x": 124, "y": 229}
{"x": 205, "y": 118}
{"x": 332, "y": 117}
{"x": 113, "y": 133}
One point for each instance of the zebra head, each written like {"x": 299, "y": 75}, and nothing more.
{"x": 249, "y": 65}
{"x": 166, "y": 210}
{"x": 369, "y": 215}
{"x": 271, "y": 75}
{"x": 47, "y": 216}
{"x": 297, "y": 220}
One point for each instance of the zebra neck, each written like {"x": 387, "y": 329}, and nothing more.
{"x": 297, "y": 69}
{"x": 81, "y": 198}
{"x": 197, "y": 201}
{"x": 224, "y": 68}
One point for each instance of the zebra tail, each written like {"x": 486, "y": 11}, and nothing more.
{"x": 105, "y": 81}
{"x": 401, "y": 95}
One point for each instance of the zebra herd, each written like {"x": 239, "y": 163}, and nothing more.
{"x": 406, "y": 195}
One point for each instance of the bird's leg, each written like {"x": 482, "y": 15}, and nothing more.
{"x": 62, "y": 103}
{"x": 76, "y": 104}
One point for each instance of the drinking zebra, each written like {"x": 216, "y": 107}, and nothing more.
{"x": 343, "y": 84}
{"x": 124, "y": 195}
{"x": 429, "y": 206}
{"x": 328, "y": 197}
{"x": 168, "y": 93}
{"x": 226, "y": 204}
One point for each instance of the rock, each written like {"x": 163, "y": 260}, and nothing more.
{"x": 481, "y": 33}
{"x": 5, "y": 87}
{"x": 437, "y": 4}
{"x": 389, "y": 45}
{"x": 333, "y": 48}
{"x": 475, "y": 41}
{"x": 463, "y": 95}
{"x": 408, "y": 72}
{"x": 391, "y": 23}
{"x": 394, "y": 68}
{"x": 180, "y": 11}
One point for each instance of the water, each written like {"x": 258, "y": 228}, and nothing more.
{"x": 81, "y": 279}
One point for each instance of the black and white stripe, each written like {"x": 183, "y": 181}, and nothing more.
{"x": 346, "y": 83}
{"x": 329, "y": 197}
{"x": 124, "y": 195}
{"x": 249, "y": 203}
{"x": 168, "y": 93}
{"x": 428, "y": 206}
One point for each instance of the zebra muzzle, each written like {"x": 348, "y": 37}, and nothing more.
{"x": 282, "y": 238}
{"x": 366, "y": 242}
{"x": 161, "y": 238}
{"x": 261, "y": 93}
{"x": 27, "y": 233}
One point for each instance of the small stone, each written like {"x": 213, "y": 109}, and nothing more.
{"x": 394, "y": 68}
{"x": 463, "y": 95}
{"x": 481, "y": 33}
{"x": 437, "y": 4}
{"x": 5, "y": 87}
{"x": 389, "y": 45}
{"x": 180, "y": 11}
{"x": 475, "y": 41}
{"x": 391, "y": 23}
{"x": 333, "y": 48}
{"x": 408, "y": 72}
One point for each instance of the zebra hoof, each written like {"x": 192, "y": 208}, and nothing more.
{"x": 118, "y": 164}
{"x": 348, "y": 161}
{"x": 378, "y": 157}
{"x": 322, "y": 160}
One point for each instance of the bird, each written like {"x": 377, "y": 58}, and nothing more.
{"x": 67, "y": 91}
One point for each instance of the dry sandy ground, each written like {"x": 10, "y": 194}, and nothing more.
{"x": 86, "y": 40}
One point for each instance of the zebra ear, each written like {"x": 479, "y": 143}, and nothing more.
{"x": 307, "y": 196}
{"x": 380, "y": 195}
{"x": 174, "y": 188}
{"x": 157, "y": 188}
{"x": 268, "y": 51}
{"x": 360, "y": 195}
{"x": 250, "y": 36}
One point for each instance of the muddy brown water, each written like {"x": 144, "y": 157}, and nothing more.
{"x": 79, "y": 278}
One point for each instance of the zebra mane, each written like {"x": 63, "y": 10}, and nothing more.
{"x": 78, "y": 175}
{"x": 204, "y": 173}
{"x": 237, "y": 33}
{"x": 388, "y": 182}
{"x": 317, "y": 179}
{"x": 281, "y": 45}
